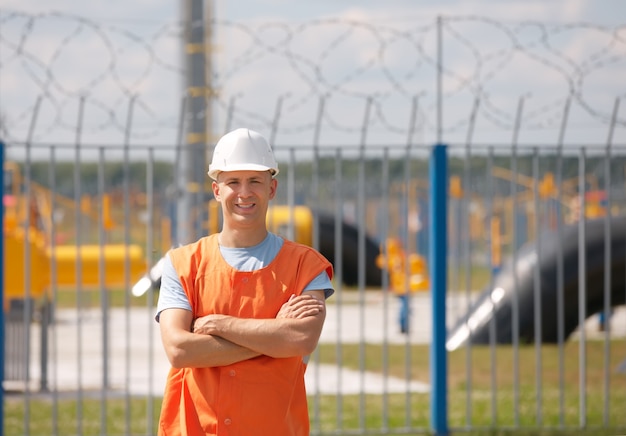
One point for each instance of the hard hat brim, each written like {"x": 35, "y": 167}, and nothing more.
{"x": 213, "y": 172}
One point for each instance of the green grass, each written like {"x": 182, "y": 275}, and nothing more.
{"x": 41, "y": 410}
{"x": 67, "y": 298}
{"x": 482, "y": 392}
{"x": 343, "y": 414}
{"x": 479, "y": 278}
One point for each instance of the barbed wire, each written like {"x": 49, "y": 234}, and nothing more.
{"x": 61, "y": 59}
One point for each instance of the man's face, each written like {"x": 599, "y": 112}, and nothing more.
{"x": 245, "y": 195}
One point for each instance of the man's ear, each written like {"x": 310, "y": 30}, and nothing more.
{"x": 273, "y": 187}
{"x": 215, "y": 187}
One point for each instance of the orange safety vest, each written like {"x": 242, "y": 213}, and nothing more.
{"x": 259, "y": 396}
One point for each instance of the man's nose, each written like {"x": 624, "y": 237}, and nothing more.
{"x": 244, "y": 190}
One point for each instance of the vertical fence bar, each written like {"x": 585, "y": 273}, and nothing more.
{"x": 150, "y": 300}
{"x": 439, "y": 79}
{"x": 407, "y": 301}
{"x": 28, "y": 306}
{"x": 2, "y": 319}
{"x": 30, "y": 224}
{"x": 291, "y": 193}
{"x": 492, "y": 320}
{"x": 315, "y": 181}
{"x": 78, "y": 273}
{"x": 54, "y": 292}
{"x": 184, "y": 209}
{"x": 104, "y": 303}
{"x": 45, "y": 323}
{"x": 229, "y": 114}
{"x": 26, "y": 314}
{"x": 607, "y": 264}
{"x": 200, "y": 169}
{"x": 384, "y": 231}
{"x": 438, "y": 173}
{"x": 361, "y": 257}
{"x": 275, "y": 121}
{"x": 127, "y": 276}
{"x": 607, "y": 286}
{"x": 274, "y": 133}
{"x": 516, "y": 243}
{"x": 405, "y": 318}
{"x": 582, "y": 293}
{"x": 315, "y": 185}
{"x": 180, "y": 217}
{"x": 467, "y": 254}
{"x": 537, "y": 291}
{"x": 559, "y": 265}
{"x": 338, "y": 249}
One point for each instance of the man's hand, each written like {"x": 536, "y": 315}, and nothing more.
{"x": 301, "y": 306}
{"x": 208, "y": 324}
{"x": 298, "y": 307}
{"x": 187, "y": 350}
{"x": 294, "y": 332}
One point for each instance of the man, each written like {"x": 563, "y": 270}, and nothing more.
{"x": 240, "y": 311}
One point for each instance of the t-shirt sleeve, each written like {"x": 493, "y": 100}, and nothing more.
{"x": 322, "y": 281}
{"x": 171, "y": 295}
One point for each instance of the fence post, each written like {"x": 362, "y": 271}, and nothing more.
{"x": 2, "y": 291}
{"x": 438, "y": 222}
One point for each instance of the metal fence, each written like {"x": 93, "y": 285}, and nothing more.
{"x": 83, "y": 225}
{"x": 512, "y": 253}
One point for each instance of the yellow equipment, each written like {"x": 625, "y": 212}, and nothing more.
{"x": 88, "y": 258}
{"x": 14, "y": 263}
{"x": 301, "y": 217}
{"x": 30, "y": 261}
{"x": 64, "y": 259}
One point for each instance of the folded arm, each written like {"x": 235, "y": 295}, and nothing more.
{"x": 294, "y": 332}
{"x": 185, "y": 349}
{"x": 217, "y": 340}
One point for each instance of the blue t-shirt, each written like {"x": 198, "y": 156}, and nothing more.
{"x": 172, "y": 294}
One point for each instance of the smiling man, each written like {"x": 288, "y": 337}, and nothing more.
{"x": 240, "y": 311}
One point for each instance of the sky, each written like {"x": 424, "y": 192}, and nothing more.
{"x": 609, "y": 12}
{"x": 372, "y": 62}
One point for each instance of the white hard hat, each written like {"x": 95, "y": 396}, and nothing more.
{"x": 242, "y": 149}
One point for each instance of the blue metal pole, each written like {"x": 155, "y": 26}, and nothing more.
{"x": 2, "y": 291}
{"x": 438, "y": 244}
